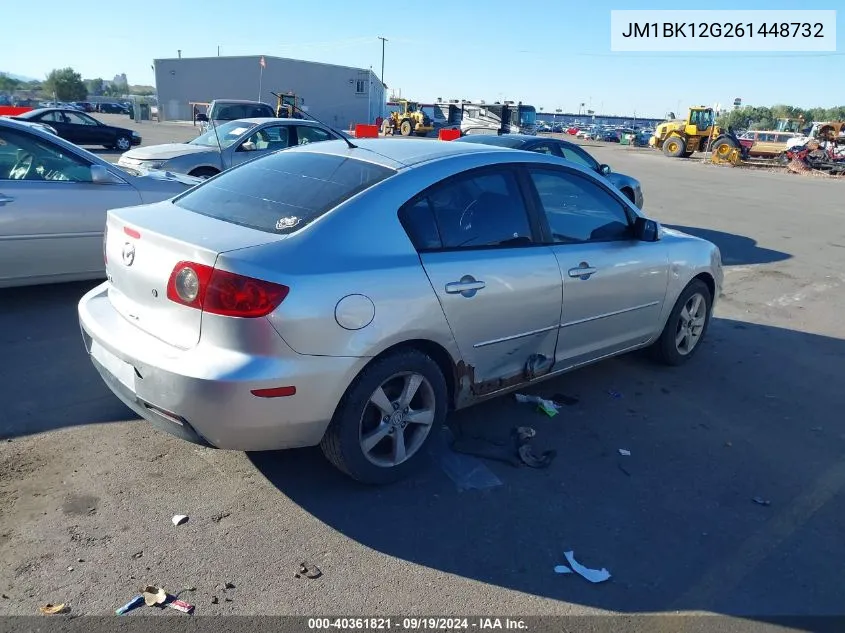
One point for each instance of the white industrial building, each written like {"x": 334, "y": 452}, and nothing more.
{"x": 339, "y": 96}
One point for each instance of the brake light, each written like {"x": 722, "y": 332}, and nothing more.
{"x": 132, "y": 232}
{"x": 220, "y": 292}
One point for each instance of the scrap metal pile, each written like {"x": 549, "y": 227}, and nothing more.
{"x": 825, "y": 152}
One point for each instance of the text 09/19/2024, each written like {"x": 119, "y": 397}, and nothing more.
{"x": 723, "y": 31}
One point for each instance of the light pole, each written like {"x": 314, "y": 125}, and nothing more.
{"x": 383, "y": 40}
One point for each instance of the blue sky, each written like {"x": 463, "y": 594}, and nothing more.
{"x": 554, "y": 54}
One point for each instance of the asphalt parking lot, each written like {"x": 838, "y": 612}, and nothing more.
{"x": 87, "y": 492}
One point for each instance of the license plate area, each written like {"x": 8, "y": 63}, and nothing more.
{"x": 122, "y": 371}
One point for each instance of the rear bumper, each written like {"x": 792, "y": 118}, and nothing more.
{"x": 204, "y": 394}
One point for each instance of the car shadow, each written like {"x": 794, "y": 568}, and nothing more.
{"x": 737, "y": 250}
{"x": 675, "y": 522}
{"x": 47, "y": 381}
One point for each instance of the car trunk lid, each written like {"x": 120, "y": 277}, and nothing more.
{"x": 142, "y": 247}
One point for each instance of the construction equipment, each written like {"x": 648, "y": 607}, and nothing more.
{"x": 288, "y": 105}
{"x": 697, "y": 133}
{"x": 410, "y": 120}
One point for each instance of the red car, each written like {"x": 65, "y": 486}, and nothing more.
{"x": 573, "y": 131}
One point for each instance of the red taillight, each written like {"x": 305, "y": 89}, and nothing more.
{"x": 220, "y": 292}
{"x": 132, "y": 232}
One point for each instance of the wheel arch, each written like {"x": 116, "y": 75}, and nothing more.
{"x": 439, "y": 354}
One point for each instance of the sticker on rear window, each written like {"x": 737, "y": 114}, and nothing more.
{"x": 287, "y": 223}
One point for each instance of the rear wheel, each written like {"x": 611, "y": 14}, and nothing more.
{"x": 674, "y": 147}
{"x": 406, "y": 127}
{"x": 387, "y": 418}
{"x": 123, "y": 143}
{"x": 686, "y": 326}
{"x": 204, "y": 172}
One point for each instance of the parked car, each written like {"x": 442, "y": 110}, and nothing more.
{"x": 261, "y": 311}
{"x": 53, "y": 201}
{"x": 113, "y": 108}
{"x": 564, "y": 149}
{"x": 83, "y": 129}
{"x": 222, "y": 111}
{"x": 767, "y": 143}
{"x": 85, "y": 106}
{"x": 229, "y": 144}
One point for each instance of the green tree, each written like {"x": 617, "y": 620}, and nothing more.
{"x": 94, "y": 86}
{"x": 66, "y": 84}
{"x": 7, "y": 84}
{"x": 142, "y": 90}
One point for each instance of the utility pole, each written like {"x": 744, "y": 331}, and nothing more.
{"x": 383, "y": 40}
{"x": 218, "y": 50}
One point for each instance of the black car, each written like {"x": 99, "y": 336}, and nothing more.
{"x": 82, "y": 129}
{"x": 564, "y": 149}
{"x": 112, "y": 108}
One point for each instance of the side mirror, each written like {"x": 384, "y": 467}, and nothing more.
{"x": 202, "y": 118}
{"x": 604, "y": 170}
{"x": 103, "y": 176}
{"x": 646, "y": 230}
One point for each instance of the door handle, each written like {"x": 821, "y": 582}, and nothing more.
{"x": 4, "y": 199}
{"x": 583, "y": 271}
{"x": 467, "y": 286}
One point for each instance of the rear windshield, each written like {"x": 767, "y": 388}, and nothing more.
{"x": 282, "y": 192}
{"x": 234, "y": 111}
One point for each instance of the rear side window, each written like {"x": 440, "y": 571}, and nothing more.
{"x": 474, "y": 210}
{"x": 282, "y": 192}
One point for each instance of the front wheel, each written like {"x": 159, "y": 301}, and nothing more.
{"x": 406, "y": 127}
{"x": 387, "y": 418}
{"x": 674, "y": 147}
{"x": 686, "y": 326}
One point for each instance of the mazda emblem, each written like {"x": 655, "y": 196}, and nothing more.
{"x": 128, "y": 253}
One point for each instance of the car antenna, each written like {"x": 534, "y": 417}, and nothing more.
{"x": 348, "y": 142}
{"x": 216, "y": 136}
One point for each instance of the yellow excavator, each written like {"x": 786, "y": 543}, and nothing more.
{"x": 411, "y": 120}
{"x": 288, "y": 105}
{"x": 683, "y": 137}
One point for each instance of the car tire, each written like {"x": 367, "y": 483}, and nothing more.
{"x": 674, "y": 146}
{"x": 670, "y": 348}
{"x": 123, "y": 143}
{"x": 204, "y": 172}
{"x": 362, "y": 440}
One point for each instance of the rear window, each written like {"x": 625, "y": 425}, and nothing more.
{"x": 232, "y": 112}
{"x": 282, "y": 192}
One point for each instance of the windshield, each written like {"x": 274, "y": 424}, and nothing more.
{"x": 282, "y": 192}
{"x": 527, "y": 115}
{"x": 228, "y": 133}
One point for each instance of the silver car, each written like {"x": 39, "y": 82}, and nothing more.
{"x": 228, "y": 145}
{"x": 53, "y": 201}
{"x": 350, "y": 295}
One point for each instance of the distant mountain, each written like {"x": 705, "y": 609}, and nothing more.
{"x": 18, "y": 77}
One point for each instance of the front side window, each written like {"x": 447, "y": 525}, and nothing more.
{"x": 478, "y": 209}
{"x": 579, "y": 210}
{"x": 270, "y": 138}
{"x": 311, "y": 134}
{"x": 27, "y": 157}
{"x": 79, "y": 119}
{"x": 579, "y": 156}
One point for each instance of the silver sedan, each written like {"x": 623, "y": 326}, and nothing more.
{"x": 53, "y": 201}
{"x": 227, "y": 145}
{"x": 351, "y": 294}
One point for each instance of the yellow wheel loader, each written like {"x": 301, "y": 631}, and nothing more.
{"x": 681, "y": 138}
{"x": 411, "y": 120}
